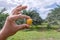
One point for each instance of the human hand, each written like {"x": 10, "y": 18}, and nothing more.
{"x": 10, "y": 27}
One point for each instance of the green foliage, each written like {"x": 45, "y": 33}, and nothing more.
{"x": 48, "y": 26}
{"x": 20, "y": 21}
{"x": 53, "y": 17}
{"x": 2, "y": 19}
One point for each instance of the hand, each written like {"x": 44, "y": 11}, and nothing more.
{"x": 10, "y": 27}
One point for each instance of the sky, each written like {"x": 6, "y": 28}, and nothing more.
{"x": 43, "y": 7}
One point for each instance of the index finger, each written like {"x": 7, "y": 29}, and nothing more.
{"x": 15, "y": 17}
{"x": 21, "y": 8}
{"x": 18, "y": 9}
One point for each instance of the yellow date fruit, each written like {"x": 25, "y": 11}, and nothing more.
{"x": 29, "y": 21}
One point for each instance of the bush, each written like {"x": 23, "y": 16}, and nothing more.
{"x": 2, "y": 19}
{"x": 48, "y": 26}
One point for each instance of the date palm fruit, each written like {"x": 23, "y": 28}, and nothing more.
{"x": 29, "y": 21}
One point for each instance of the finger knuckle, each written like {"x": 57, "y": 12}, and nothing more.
{"x": 9, "y": 18}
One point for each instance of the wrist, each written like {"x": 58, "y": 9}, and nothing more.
{"x": 2, "y": 36}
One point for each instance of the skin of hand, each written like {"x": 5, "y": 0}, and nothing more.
{"x": 10, "y": 27}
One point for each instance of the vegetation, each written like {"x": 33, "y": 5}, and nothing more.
{"x": 2, "y": 17}
{"x": 53, "y": 17}
{"x": 36, "y": 35}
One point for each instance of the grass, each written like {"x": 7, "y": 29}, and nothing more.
{"x": 36, "y": 35}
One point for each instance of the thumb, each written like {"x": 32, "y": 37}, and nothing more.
{"x": 22, "y": 26}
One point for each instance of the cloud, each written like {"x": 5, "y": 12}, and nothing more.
{"x": 42, "y": 6}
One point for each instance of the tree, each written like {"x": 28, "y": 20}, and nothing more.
{"x": 54, "y": 16}
{"x": 4, "y": 9}
{"x": 2, "y": 17}
{"x": 37, "y": 20}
